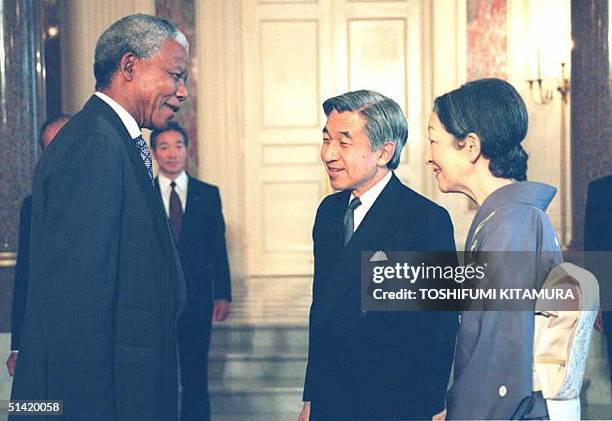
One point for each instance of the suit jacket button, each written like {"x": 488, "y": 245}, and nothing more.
{"x": 503, "y": 391}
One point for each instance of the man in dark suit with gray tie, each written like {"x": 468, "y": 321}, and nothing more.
{"x": 194, "y": 212}
{"x": 372, "y": 365}
{"x": 105, "y": 284}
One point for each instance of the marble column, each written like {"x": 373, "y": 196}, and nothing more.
{"x": 590, "y": 115}
{"x": 22, "y": 111}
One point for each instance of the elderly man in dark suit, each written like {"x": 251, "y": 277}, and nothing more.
{"x": 194, "y": 212}
{"x": 106, "y": 284}
{"x": 372, "y": 365}
{"x": 598, "y": 238}
{"x": 48, "y": 131}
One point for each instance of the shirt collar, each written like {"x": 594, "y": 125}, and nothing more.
{"x": 181, "y": 181}
{"x": 126, "y": 118}
{"x": 369, "y": 197}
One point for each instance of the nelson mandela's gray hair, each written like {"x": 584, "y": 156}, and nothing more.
{"x": 140, "y": 34}
{"x": 383, "y": 117}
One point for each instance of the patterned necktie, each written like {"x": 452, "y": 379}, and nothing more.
{"x": 349, "y": 222}
{"x": 145, "y": 154}
{"x": 175, "y": 212}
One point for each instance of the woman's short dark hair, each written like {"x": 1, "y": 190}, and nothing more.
{"x": 493, "y": 110}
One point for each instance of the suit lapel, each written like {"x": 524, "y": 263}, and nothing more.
{"x": 156, "y": 182}
{"x": 378, "y": 217}
{"x": 193, "y": 201}
{"x": 336, "y": 229}
{"x": 345, "y": 274}
{"x": 150, "y": 193}
{"x": 140, "y": 170}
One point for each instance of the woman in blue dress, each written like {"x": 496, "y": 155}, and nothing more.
{"x": 475, "y": 134}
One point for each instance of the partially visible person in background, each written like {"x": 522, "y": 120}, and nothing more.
{"x": 48, "y": 131}
{"x": 196, "y": 220}
{"x": 598, "y": 239}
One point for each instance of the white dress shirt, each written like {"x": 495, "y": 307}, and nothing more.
{"x": 182, "y": 181}
{"x": 126, "y": 118}
{"x": 367, "y": 199}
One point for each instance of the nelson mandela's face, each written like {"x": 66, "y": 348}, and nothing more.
{"x": 161, "y": 85}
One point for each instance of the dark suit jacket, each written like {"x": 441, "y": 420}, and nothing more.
{"x": 20, "y": 284}
{"x": 202, "y": 247}
{"x": 105, "y": 281}
{"x": 598, "y": 217}
{"x": 377, "y": 364}
{"x": 598, "y": 241}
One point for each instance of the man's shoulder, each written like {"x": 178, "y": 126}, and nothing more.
{"x": 90, "y": 125}
{"x": 202, "y": 186}
{"x": 413, "y": 201}
{"x": 87, "y": 133}
{"x": 87, "y": 139}
{"x": 601, "y": 184}
{"x": 27, "y": 203}
{"x": 333, "y": 200}
{"x": 96, "y": 120}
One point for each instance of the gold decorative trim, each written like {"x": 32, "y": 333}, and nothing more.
{"x": 8, "y": 259}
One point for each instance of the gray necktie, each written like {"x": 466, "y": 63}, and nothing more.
{"x": 145, "y": 154}
{"x": 349, "y": 222}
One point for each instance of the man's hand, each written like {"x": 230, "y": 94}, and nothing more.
{"x": 305, "y": 414}
{"x": 440, "y": 416}
{"x": 11, "y": 363}
{"x": 221, "y": 309}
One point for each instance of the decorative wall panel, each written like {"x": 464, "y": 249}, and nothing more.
{"x": 486, "y": 39}
{"x": 290, "y": 209}
{"x": 289, "y": 69}
{"x": 378, "y": 62}
{"x": 182, "y": 14}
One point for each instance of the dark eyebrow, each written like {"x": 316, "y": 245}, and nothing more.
{"x": 347, "y": 134}
{"x": 325, "y": 131}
